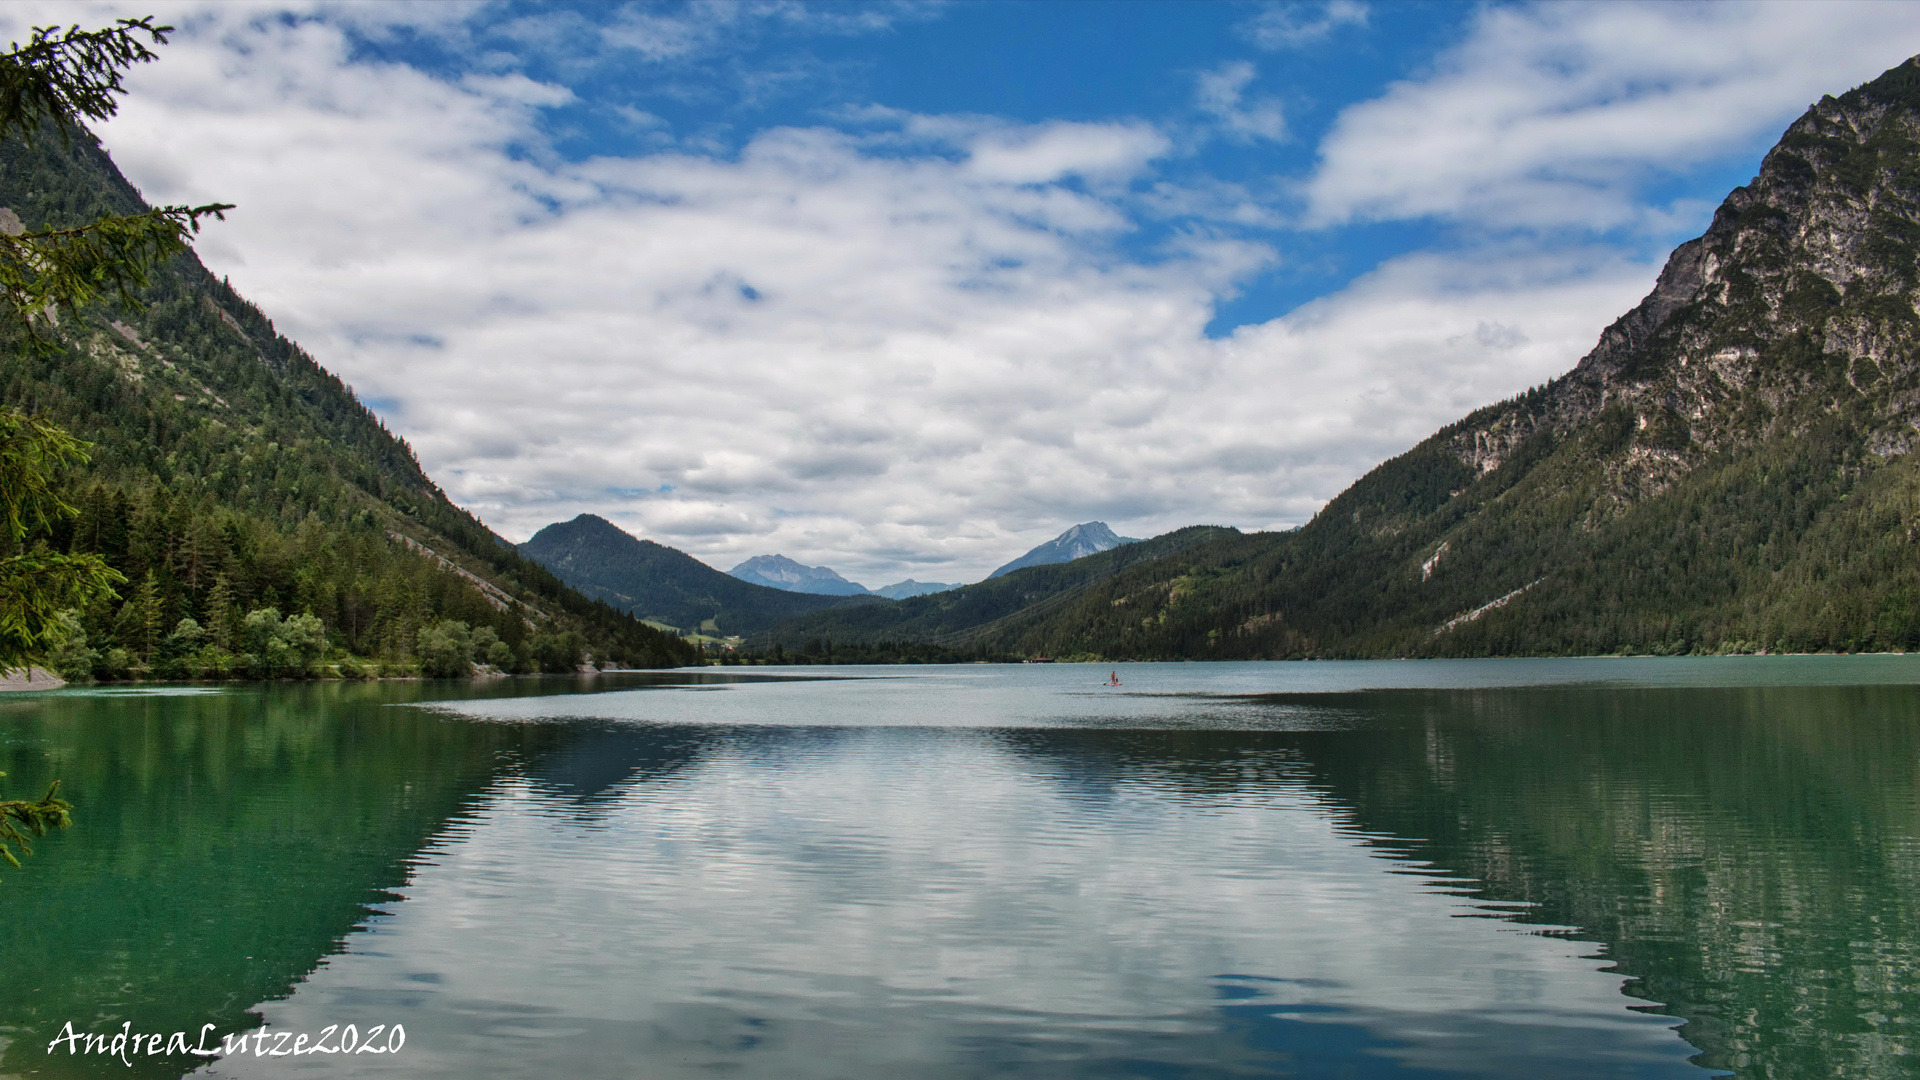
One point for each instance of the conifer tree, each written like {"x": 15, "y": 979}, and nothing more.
{"x": 220, "y": 612}
{"x": 49, "y": 87}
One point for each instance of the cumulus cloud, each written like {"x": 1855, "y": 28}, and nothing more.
{"x": 907, "y": 346}
{"x": 1559, "y": 115}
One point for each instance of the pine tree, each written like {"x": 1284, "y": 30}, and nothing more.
{"x": 148, "y": 615}
{"x": 48, "y": 87}
{"x": 219, "y": 611}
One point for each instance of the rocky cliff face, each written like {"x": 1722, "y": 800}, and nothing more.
{"x": 1804, "y": 285}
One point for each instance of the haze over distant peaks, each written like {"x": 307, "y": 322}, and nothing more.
{"x": 780, "y": 572}
{"x": 900, "y": 590}
{"x": 1083, "y": 540}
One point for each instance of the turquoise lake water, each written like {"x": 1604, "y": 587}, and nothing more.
{"x": 1588, "y": 868}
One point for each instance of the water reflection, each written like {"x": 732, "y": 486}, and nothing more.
{"x": 592, "y": 765}
{"x": 1223, "y": 871}
{"x": 225, "y": 843}
{"x": 816, "y": 901}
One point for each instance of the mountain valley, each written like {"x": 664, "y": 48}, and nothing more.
{"x": 1729, "y": 470}
{"x": 242, "y": 489}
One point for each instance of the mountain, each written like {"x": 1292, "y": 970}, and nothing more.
{"x": 780, "y": 572}
{"x": 1731, "y": 468}
{"x": 961, "y": 619}
{"x": 232, "y": 474}
{"x": 1076, "y": 543}
{"x": 660, "y": 584}
{"x": 900, "y": 590}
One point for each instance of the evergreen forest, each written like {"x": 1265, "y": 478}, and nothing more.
{"x": 266, "y": 523}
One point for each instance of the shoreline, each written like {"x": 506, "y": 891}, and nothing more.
{"x": 30, "y": 678}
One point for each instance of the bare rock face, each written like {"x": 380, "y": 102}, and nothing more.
{"x": 1801, "y": 293}
{"x": 32, "y": 678}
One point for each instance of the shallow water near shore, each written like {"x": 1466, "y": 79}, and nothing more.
{"x": 1569, "y": 868}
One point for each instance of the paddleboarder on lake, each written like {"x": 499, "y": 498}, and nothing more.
{"x": 1113, "y": 679}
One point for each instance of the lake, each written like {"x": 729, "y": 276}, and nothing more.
{"x": 1522, "y": 868}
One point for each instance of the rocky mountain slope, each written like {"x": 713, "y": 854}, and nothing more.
{"x": 1730, "y": 468}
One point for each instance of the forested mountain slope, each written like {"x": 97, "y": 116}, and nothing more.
{"x": 230, "y": 474}
{"x": 1731, "y": 467}
{"x": 964, "y": 618}
{"x": 661, "y": 583}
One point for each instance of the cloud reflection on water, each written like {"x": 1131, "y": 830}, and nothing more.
{"x": 684, "y": 888}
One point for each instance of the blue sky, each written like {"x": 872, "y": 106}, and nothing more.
{"x": 830, "y": 64}
{"x": 906, "y": 288}
{"x": 1290, "y": 69}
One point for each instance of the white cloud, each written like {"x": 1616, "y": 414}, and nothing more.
{"x": 1559, "y": 114}
{"x": 1222, "y": 93}
{"x": 1292, "y": 24}
{"x": 1049, "y": 152}
{"x": 657, "y": 33}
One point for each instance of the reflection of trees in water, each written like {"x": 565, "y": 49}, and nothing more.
{"x": 1748, "y": 857}
{"x": 590, "y": 764}
{"x": 230, "y": 842}
{"x": 1096, "y": 763}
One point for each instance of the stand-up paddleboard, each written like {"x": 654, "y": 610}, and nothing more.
{"x": 1113, "y": 679}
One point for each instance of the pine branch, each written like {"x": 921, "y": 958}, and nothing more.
{"x": 35, "y": 588}
{"x": 51, "y": 811}
{"x": 60, "y": 76}
{"x": 113, "y": 257}
{"x": 31, "y": 449}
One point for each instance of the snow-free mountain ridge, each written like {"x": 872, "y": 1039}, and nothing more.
{"x": 900, "y": 590}
{"x": 780, "y": 572}
{"x": 659, "y": 583}
{"x": 1082, "y": 540}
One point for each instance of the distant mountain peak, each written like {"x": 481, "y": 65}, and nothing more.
{"x": 593, "y": 523}
{"x": 780, "y": 572}
{"x": 659, "y": 583}
{"x": 1078, "y": 542}
{"x": 900, "y": 590}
